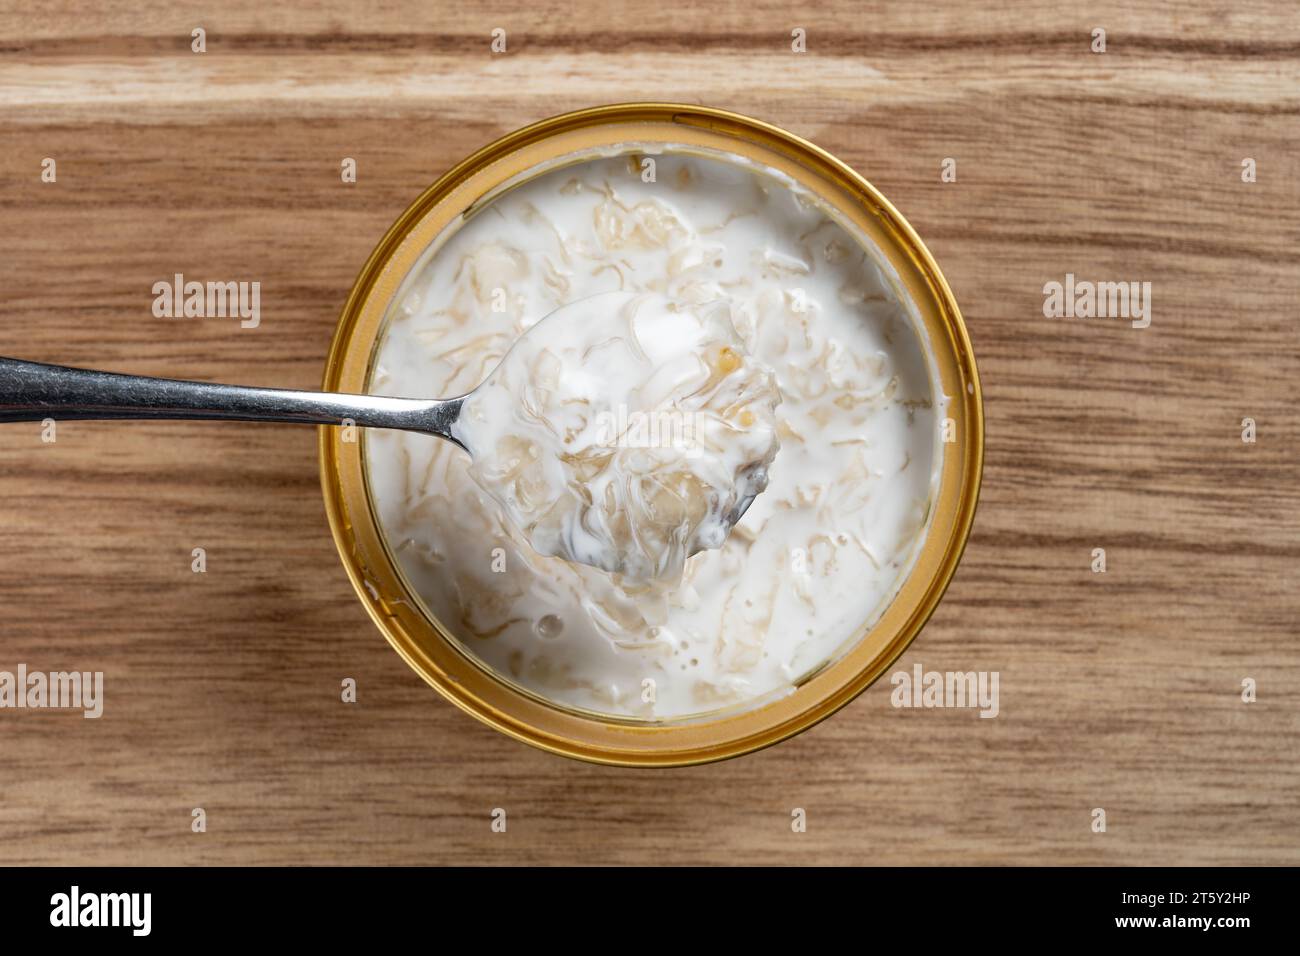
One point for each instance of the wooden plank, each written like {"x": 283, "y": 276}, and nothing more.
{"x": 1119, "y": 691}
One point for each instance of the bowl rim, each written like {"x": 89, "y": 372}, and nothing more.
{"x": 611, "y": 741}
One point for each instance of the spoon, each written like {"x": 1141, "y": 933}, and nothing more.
{"x": 34, "y": 391}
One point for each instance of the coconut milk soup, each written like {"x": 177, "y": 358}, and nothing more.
{"x": 800, "y": 338}
{"x": 625, "y": 432}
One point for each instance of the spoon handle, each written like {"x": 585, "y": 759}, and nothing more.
{"x": 33, "y": 391}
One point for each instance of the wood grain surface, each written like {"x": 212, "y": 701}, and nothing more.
{"x": 1119, "y": 690}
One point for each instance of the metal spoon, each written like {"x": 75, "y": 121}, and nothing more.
{"x": 34, "y": 391}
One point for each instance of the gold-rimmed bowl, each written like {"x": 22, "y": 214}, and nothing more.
{"x": 434, "y": 653}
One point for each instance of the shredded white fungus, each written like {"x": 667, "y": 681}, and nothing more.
{"x": 814, "y": 560}
{"x": 624, "y": 432}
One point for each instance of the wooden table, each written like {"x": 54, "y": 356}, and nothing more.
{"x": 1119, "y": 690}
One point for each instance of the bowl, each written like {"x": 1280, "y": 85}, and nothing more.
{"x": 429, "y": 647}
